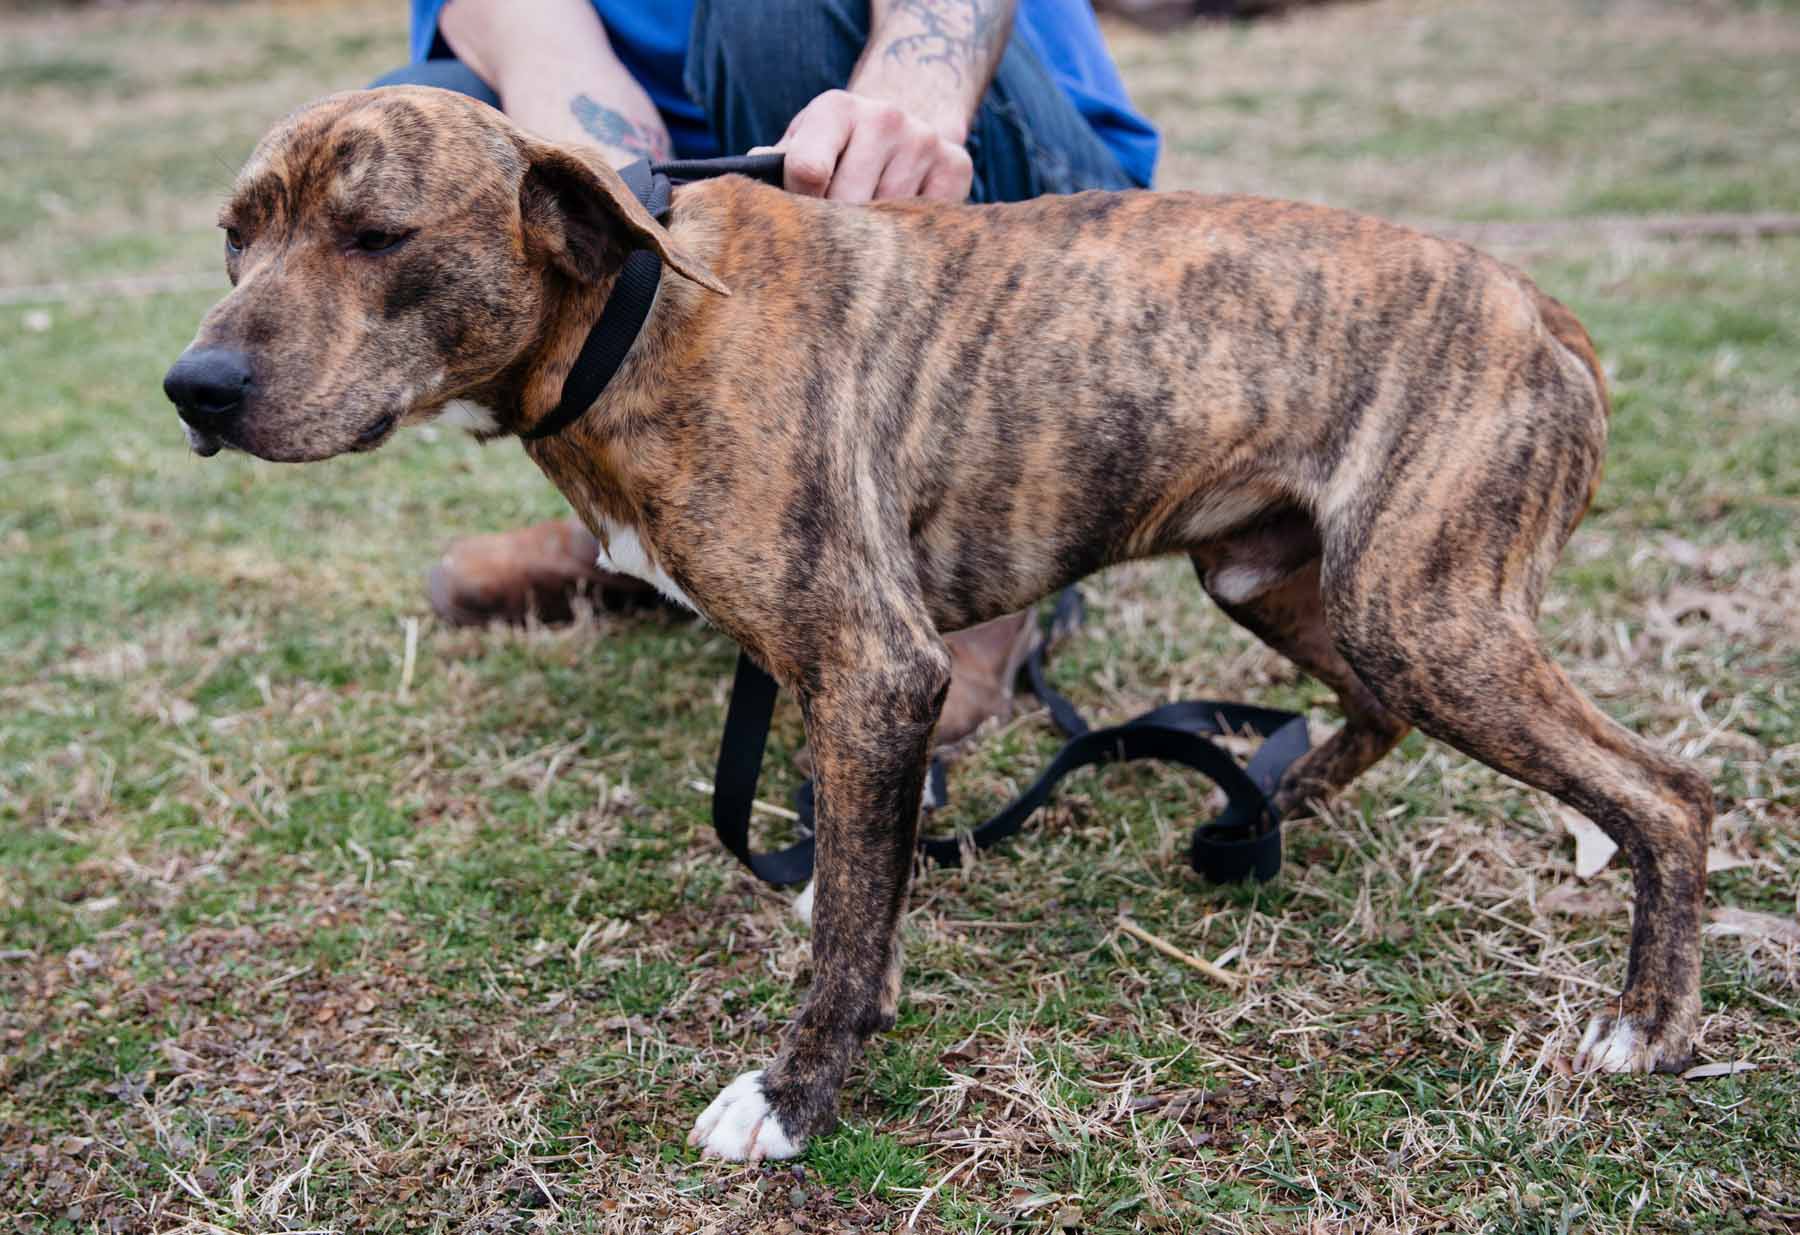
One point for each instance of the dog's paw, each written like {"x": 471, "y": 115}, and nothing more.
{"x": 803, "y": 904}
{"x": 1619, "y": 1043}
{"x": 740, "y": 1127}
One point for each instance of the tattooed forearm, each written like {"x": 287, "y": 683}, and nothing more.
{"x": 617, "y": 131}
{"x": 963, "y": 36}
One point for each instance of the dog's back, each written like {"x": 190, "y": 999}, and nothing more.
{"x": 1111, "y": 375}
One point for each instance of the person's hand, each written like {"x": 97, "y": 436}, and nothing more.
{"x": 856, "y": 148}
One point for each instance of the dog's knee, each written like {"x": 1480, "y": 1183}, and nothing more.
{"x": 927, "y": 672}
{"x": 902, "y": 691}
{"x": 1695, "y": 793}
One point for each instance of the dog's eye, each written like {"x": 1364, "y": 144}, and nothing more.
{"x": 234, "y": 240}
{"x": 378, "y": 242}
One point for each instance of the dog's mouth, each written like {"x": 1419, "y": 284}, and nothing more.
{"x": 372, "y": 436}
{"x": 202, "y": 443}
{"x": 207, "y": 443}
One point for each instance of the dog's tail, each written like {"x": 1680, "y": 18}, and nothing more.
{"x": 1569, "y": 331}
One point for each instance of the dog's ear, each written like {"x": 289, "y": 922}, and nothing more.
{"x": 587, "y": 219}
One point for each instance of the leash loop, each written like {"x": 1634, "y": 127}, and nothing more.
{"x": 1244, "y": 842}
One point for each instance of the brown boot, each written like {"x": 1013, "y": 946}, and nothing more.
{"x": 984, "y": 663}
{"x": 541, "y": 569}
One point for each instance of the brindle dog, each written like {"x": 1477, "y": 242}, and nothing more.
{"x": 912, "y": 417}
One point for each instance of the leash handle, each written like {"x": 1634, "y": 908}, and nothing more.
{"x": 767, "y": 168}
{"x": 1243, "y": 842}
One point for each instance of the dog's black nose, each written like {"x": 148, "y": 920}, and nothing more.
{"x": 208, "y": 385}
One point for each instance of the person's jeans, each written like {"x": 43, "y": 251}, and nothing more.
{"x": 752, "y": 66}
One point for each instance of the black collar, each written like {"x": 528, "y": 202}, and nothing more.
{"x": 629, "y": 304}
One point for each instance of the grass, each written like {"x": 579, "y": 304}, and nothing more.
{"x": 289, "y": 946}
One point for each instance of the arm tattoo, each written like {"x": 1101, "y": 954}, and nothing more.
{"x": 958, "y": 34}
{"x": 616, "y": 130}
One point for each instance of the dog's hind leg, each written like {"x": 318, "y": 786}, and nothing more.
{"x": 1483, "y": 684}
{"x": 869, "y": 716}
{"x": 1289, "y": 616}
{"x": 1438, "y": 618}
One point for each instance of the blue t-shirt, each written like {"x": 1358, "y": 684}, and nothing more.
{"x": 651, "y": 41}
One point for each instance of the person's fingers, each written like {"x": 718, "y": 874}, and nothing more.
{"x": 788, "y": 133}
{"x": 872, "y": 144}
{"x": 864, "y": 157}
{"x": 853, "y": 149}
{"x": 911, "y": 162}
{"x": 951, "y": 177}
{"x": 815, "y": 144}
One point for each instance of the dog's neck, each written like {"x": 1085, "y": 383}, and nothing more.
{"x": 571, "y": 313}
{"x": 600, "y": 460}
{"x": 610, "y": 461}
{"x": 529, "y": 386}
{"x": 622, "y": 312}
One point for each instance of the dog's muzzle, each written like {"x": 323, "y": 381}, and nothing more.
{"x": 208, "y": 388}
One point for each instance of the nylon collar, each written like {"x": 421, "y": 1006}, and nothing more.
{"x": 628, "y": 306}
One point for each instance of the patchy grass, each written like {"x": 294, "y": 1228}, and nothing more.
{"x": 288, "y": 946}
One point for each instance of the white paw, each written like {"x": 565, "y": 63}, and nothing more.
{"x": 740, "y": 1127}
{"x": 1613, "y": 1045}
{"x": 804, "y": 902}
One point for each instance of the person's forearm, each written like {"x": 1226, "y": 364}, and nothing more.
{"x": 934, "y": 57}
{"x": 556, "y": 74}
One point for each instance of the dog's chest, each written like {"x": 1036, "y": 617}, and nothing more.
{"x": 624, "y": 554}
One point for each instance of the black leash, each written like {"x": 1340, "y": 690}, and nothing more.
{"x": 611, "y": 338}
{"x": 1242, "y": 843}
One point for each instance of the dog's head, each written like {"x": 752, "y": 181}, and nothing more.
{"x": 390, "y": 250}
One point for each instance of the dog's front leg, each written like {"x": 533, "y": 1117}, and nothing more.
{"x": 870, "y": 723}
